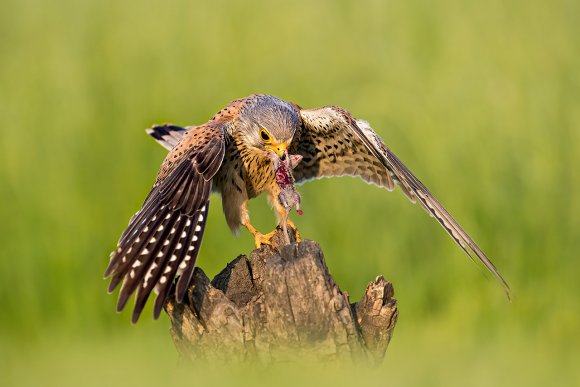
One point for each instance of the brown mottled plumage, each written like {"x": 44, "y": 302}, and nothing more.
{"x": 231, "y": 154}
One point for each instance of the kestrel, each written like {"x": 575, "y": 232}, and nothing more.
{"x": 231, "y": 154}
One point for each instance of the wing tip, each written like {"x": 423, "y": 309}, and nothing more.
{"x": 180, "y": 292}
{"x": 109, "y": 270}
{"x": 508, "y": 295}
{"x": 113, "y": 284}
{"x": 157, "y": 311}
{"x": 136, "y": 314}
{"x": 506, "y": 288}
{"x": 491, "y": 269}
{"x": 124, "y": 296}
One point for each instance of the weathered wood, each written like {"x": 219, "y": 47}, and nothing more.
{"x": 281, "y": 302}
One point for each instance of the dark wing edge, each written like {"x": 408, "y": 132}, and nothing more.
{"x": 163, "y": 238}
{"x": 332, "y": 119}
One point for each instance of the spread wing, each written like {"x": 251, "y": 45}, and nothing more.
{"x": 163, "y": 238}
{"x": 333, "y": 143}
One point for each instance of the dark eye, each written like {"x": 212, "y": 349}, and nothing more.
{"x": 264, "y": 135}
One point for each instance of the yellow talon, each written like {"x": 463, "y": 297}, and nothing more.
{"x": 263, "y": 239}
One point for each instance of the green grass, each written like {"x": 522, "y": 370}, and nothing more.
{"x": 480, "y": 99}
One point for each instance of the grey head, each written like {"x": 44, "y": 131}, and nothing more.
{"x": 268, "y": 123}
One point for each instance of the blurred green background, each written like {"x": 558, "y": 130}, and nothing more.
{"x": 480, "y": 99}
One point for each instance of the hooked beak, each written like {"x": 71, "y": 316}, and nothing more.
{"x": 279, "y": 148}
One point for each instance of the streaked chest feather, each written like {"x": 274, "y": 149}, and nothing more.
{"x": 245, "y": 170}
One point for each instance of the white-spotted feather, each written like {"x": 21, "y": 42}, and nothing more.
{"x": 172, "y": 217}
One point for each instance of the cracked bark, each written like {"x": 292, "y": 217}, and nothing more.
{"x": 281, "y": 302}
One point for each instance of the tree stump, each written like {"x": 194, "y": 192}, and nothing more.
{"x": 279, "y": 304}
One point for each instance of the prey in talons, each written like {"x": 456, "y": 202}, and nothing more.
{"x": 287, "y": 198}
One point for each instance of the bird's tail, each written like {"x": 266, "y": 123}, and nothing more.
{"x": 167, "y": 135}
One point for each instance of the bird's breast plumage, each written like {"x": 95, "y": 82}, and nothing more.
{"x": 259, "y": 175}
{"x": 246, "y": 172}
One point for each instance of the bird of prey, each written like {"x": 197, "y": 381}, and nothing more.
{"x": 231, "y": 155}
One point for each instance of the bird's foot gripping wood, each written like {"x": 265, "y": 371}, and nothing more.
{"x": 263, "y": 239}
{"x": 279, "y": 237}
{"x": 274, "y": 238}
{"x": 259, "y": 238}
